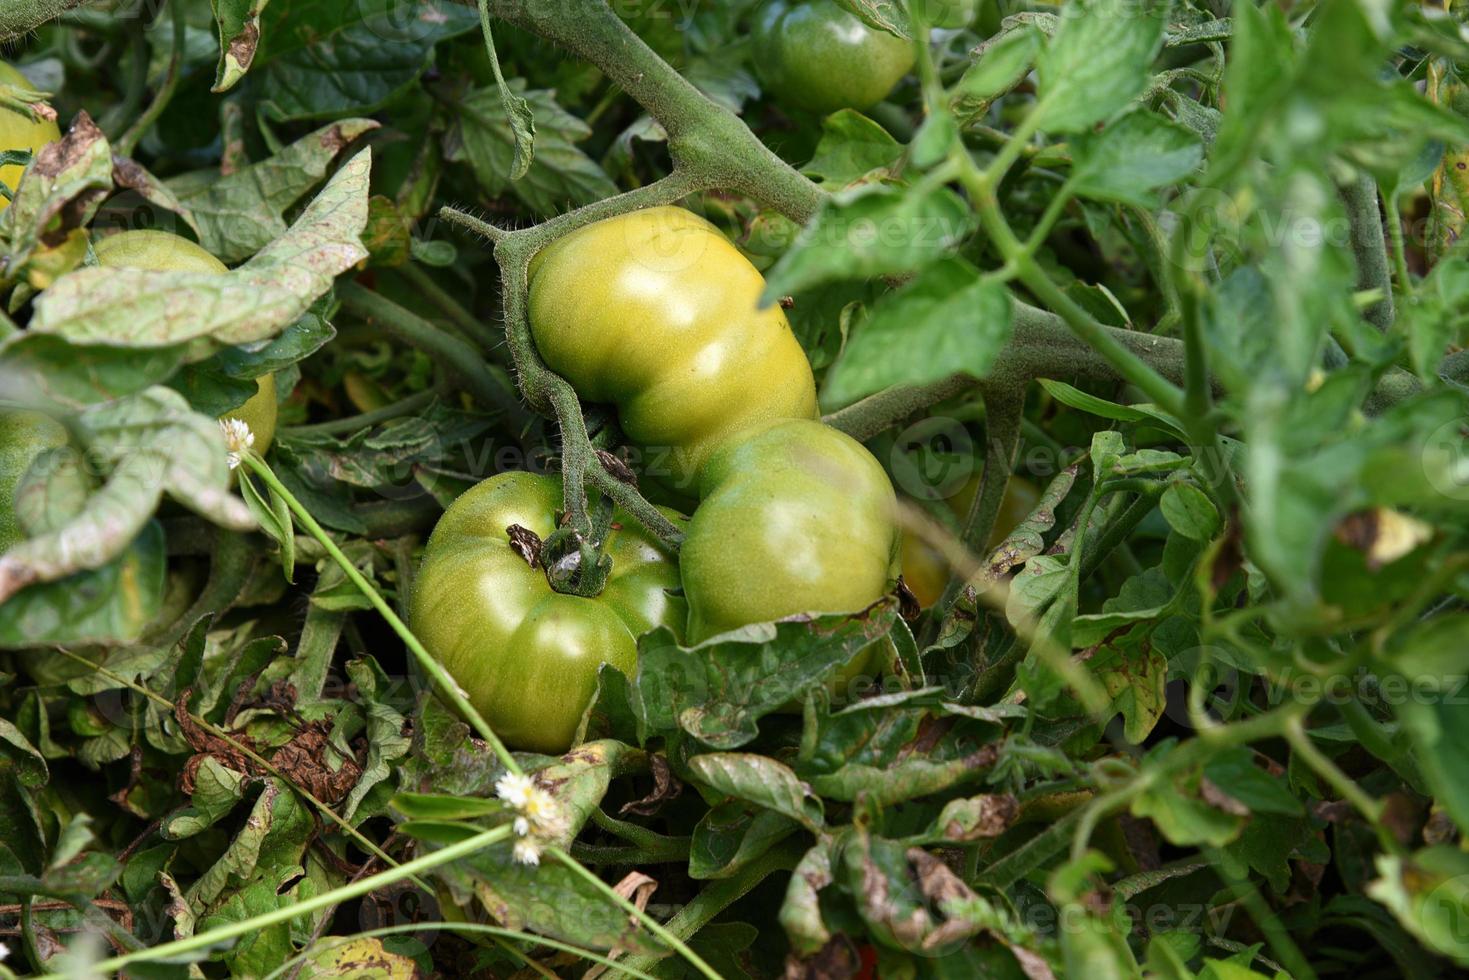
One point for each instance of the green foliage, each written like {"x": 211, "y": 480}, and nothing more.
{"x": 1193, "y": 270}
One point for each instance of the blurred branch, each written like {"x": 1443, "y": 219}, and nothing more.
{"x": 1369, "y": 246}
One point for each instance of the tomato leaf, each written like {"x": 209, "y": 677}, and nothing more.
{"x": 948, "y": 319}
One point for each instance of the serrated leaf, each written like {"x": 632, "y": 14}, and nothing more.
{"x": 154, "y": 444}
{"x": 870, "y": 231}
{"x": 1132, "y": 157}
{"x": 719, "y": 690}
{"x": 851, "y": 147}
{"x": 1003, "y": 62}
{"x": 948, "y": 319}
{"x": 560, "y": 173}
{"x": 108, "y": 605}
{"x": 333, "y": 58}
{"x": 1098, "y": 62}
{"x": 889, "y": 16}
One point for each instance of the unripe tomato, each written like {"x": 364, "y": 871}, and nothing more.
{"x": 795, "y": 518}
{"x": 657, "y": 313}
{"x": 18, "y": 132}
{"x": 815, "y": 55}
{"x": 162, "y": 252}
{"x": 926, "y": 571}
{"x": 23, "y": 437}
{"x": 526, "y": 654}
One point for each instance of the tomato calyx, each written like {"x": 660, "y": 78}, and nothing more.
{"x": 573, "y": 564}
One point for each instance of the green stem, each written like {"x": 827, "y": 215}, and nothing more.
{"x": 457, "y": 358}
{"x": 1048, "y": 219}
{"x": 356, "y": 423}
{"x": 1370, "y": 248}
{"x": 20, "y": 17}
{"x": 129, "y": 140}
{"x": 655, "y": 927}
{"x": 1021, "y": 861}
{"x": 1131, "y": 367}
{"x": 1300, "y": 742}
{"x": 1399, "y": 250}
{"x": 1003, "y": 408}
{"x": 1119, "y": 530}
{"x": 447, "y": 685}
{"x": 577, "y": 456}
{"x": 1295, "y": 962}
{"x": 627, "y": 497}
{"x": 295, "y": 910}
{"x": 705, "y": 139}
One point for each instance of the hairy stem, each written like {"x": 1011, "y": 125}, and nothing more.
{"x": 20, "y": 17}
{"x": 706, "y": 139}
{"x": 1369, "y": 245}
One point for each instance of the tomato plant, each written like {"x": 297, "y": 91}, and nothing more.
{"x": 527, "y": 654}
{"x": 815, "y": 55}
{"x": 352, "y": 633}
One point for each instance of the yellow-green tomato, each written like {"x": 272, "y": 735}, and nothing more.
{"x": 163, "y": 252}
{"x": 812, "y": 54}
{"x": 526, "y": 654}
{"x": 657, "y": 313}
{"x": 797, "y": 518}
{"x": 926, "y": 570}
{"x": 23, "y": 437}
{"x": 19, "y": 132}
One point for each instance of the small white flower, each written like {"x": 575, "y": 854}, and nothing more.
{"x": 522, "y": 826}
{"x": 515, "y": 789}
{"x": 237, "y": 438}
{"x": 527, "y": 850}
{"x": 4, "y": 951}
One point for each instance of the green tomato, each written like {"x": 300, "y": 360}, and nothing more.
{"x": 658, "y": 314}
{"x": 817, "y": 56}
{"x": 797, "y": 518}
{"x": 526, "y": 654}
{"x": 23, "y": 437}
{"x": 162, "y": 252}
{"x": 18, "y": 132}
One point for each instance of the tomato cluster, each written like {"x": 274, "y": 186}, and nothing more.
{"x": 657, "y": 314}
